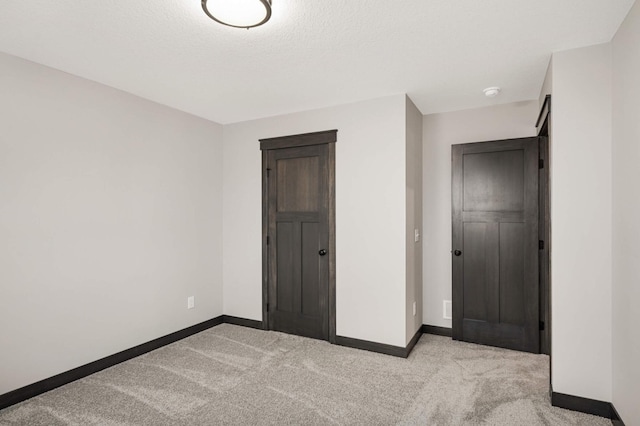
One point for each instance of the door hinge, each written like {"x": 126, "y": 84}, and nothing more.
{"x": 541, "y": 245}
{"x": 268, "y": 172}
{"x": 541, "y": 163}
{"x": 541, "y": 326}
{"x": 268, "y": 240}
{"x": 267, "y": 307}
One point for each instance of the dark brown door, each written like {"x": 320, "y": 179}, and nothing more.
{"x": 495, "y": 243}
{"x": 298, "y": 192}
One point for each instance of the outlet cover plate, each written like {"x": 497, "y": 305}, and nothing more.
{"x": 446, "y": 309}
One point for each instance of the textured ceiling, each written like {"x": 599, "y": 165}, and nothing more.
{"x": 312, "y": 53}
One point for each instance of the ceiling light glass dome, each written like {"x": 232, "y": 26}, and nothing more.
{"x": 238, "y": 13}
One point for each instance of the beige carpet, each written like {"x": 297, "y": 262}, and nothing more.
{"x": 240, "y": 376}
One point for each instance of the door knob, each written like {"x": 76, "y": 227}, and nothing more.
{"x": 457, "y": 252}
{"x": 322, "y": 252}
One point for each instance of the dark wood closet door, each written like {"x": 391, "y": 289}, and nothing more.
{"x": 495, "y": 243}
{"x": 298, "y": 243}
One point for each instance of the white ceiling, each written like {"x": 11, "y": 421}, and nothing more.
{"x": 312, "y": 53}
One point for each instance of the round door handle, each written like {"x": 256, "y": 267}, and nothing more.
{"x": 457, "y": 252}
{"x": 322, "y": 252}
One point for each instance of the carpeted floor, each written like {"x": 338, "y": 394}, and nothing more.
{"x": 240, "y": 376}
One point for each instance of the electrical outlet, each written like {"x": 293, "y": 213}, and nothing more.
{"x": 414, "y": 309}
{"x": 446, "y": 309}
{"x": 190, "y": 302}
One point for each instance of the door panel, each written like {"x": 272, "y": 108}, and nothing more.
{"x": 310, "y": 269}
{"x": 493, "y": 182}
{"x": 511, "y": 273}
{"x": 285, "y": 266}
{"x": 298, "y": 185}
{"x": 475, "y": 286}
{"x": 495, "y": 229}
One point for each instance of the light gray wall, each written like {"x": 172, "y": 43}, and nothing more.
{"x": 581, "y": 220}
{"x": 626, "y": 218}
{"x": 110, "y": 216}
{"x": 440, "y": 131}
{"x": 370, "y": 214}
{"x": 414, "y": 217}
{"x": 546, "y": 84}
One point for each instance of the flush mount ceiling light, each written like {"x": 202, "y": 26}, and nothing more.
{"x": 491, "y": 92}
{"x": 238, "y": 13}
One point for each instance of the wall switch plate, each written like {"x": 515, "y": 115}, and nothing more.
{"x": 190, "y": 302}
{"x": 446, "y": 309}
{"x": 414, "y": 308}
{"x": 416, "y": 235}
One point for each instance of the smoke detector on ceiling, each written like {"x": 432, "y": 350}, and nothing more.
{"x": 491, "y": 92}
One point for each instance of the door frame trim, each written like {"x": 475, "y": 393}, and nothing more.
{"x": 543, "y": 127}
{"x": 329, "y": 138}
